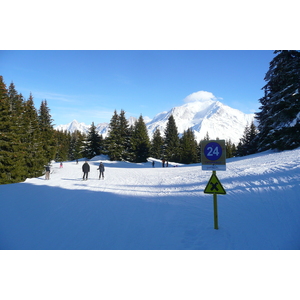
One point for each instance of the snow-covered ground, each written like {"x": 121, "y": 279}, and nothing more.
{"x": 140, "y": 207}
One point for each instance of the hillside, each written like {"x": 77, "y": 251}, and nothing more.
{"x": 140, "y": 207}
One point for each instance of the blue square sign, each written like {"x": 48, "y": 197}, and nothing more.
{"x": 213, "y": 155}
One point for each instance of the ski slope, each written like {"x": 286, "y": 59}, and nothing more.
{"x": 139, "y": 207}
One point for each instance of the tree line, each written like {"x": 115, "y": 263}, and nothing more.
{"x": 28, "y": 140}
{"x": 132, "y": 143}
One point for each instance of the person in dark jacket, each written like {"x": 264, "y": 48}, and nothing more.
{"x": 85, "y": 170}
{"x": 101, "y": 169}
{"x": 47, "y": 168}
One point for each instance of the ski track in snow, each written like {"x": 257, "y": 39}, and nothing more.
{"x": 140, "y": 207}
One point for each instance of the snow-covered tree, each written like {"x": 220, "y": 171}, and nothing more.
{"x": 279, "y": 118}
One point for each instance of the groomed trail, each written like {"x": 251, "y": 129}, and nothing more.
{"x": 140, "y": 207}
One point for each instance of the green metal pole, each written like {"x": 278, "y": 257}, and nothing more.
{"x": 215, "y": 208}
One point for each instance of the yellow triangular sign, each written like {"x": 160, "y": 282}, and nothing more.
{"x": 214, "y": 186}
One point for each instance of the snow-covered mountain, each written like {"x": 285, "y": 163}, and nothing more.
{"x": 73, "y": 126}
{"x": 219, "y": 120}
{"x": 209, "y": 116}
{"x": 102, "y": 128}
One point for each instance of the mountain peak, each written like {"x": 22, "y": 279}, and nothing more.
{"x": 202, "y": 116}
{"x": 212, "y": 116}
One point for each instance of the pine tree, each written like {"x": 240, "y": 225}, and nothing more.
{"x": 171, "y": 147}
{"x": 6, "y": 161}
{"x": 35, "y": 158}
{"x": 118, "y": 140}
{"x": 63, "y": 140}
{"x": 242, "y": 145}
{"x": 279, "y": 118}
{"x": 248, "y": 142}
{"x": 15, "y": 102}
{"x": 230, "y": 149}
{"x": 113, "y": 145}
{"x": 125, "y": 135}
{"x": 206, "y": 138}
{"x": 130, "y": 155}
{"x": 94, "y": 142}
{"x": 47, "y": 132}
{"x": 140, "y": 141}
{"x": 12, "y": 166}
{"x": 188, "y": 145}
{"x": 252, "y": 145}
{"x": 157, "y": 143}
{"x": 199, "y": 150}
{"x": 76, "y": 147}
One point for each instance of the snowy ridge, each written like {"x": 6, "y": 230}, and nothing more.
{"x": 219, "y": 120}
{"x": 102, "y": 128}
{"x": 140, "y": 207}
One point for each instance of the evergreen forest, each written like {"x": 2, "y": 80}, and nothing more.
{"x": 29, "y": 142}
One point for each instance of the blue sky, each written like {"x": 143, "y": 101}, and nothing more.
{"x": 89, "y": 85}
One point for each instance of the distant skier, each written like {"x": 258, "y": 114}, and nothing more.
{"x": 47, "y": 176}
{"x": 85, "y": 170}
{"x": 61, "y": 165}
{"x": 153, "y": 163}
{"x": 101, "y": 169}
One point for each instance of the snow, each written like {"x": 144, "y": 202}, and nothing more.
{"x": 294, "y": 122}
{"x": 137, "y": 207}
{"x": 140, "y": 207}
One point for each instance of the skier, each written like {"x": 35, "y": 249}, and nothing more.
{"x": 85, "y": 170}
{"x": 101, "y": 169}
{"x": 47, "y": 176}
{"x": 153, "y": 163}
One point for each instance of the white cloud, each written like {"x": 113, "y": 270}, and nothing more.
{"x": 200, "y": 96}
